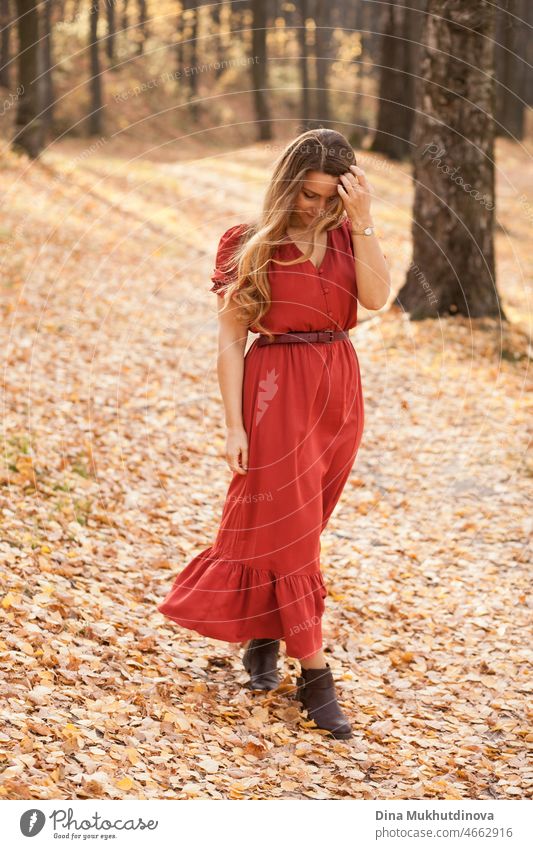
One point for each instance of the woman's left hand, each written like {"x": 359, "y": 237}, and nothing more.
{"x": 356, "y": 193}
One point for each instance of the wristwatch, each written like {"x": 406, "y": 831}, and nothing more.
{"x": 366, "y": 232}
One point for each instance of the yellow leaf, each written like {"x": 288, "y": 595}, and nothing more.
{"x": 8, "y": 600}
{"x": 178, "y": 719}
{"x": 125, "y": 784}
{"x": 133, "y": 756}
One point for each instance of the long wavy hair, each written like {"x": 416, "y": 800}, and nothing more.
{"x": 315, "y": 150}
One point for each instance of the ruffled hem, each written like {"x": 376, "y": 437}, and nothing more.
{"x": 231, "y": 601}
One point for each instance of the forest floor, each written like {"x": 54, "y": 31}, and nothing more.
{"x": 113, "y": 478}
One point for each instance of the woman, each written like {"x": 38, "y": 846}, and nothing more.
{"x": 294, "y": 413}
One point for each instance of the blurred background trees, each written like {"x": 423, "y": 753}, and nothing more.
{"x": 399, "y": 79}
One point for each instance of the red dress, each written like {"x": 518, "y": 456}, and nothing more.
{"x": 303, "y": 413}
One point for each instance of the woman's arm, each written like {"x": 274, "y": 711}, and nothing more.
{"x": 232, "y": 336}
{"x": 371, "y": 269}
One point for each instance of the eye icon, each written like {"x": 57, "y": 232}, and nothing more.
{"x": 32, "y": 822}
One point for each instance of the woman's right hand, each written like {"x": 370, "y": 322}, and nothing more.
{"x": 237, "y": 450}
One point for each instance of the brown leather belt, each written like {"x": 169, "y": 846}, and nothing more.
{"x": 305, "y": 336}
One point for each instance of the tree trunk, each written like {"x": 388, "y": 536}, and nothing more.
{"x": 5, "y": 26}
{"x": 303, "y": 64}
{"x": 191, "y": 7}
{"x": 110, "y": 42}
{"x": 259, "y": 70}
{"x": 47, "y": 65}
{"x": 323, "y": 42}
{"x": 29, "y": 134}
{"x": 125, "y": 22}
{"x": 511, "y": 68}
{"x": 453, "y": 254}
{"x": 95, "y": 117}
{"x": 142, "y": 31}
{"x": 180, "y": 38}
{"x": 361, "y": 24}
{"x": 219, "y": 46}
{"x": 529, "y": 54}
{"x": 400, "y": 59}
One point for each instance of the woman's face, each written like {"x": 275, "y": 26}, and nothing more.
{"x": 317, "y": 196}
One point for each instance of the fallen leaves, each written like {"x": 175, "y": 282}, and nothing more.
{"x": 113, "y": 478}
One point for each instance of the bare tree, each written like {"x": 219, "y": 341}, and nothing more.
{"x": 188, "y": 51}
{"x": 453, "y": 253}
{"x": 303, "y": 64}
{"x": 5, "y": 53}
{"x": 143, "y": 33}
{"x": 322, "y": 50}
{"x": 125, "y": 23}
{"x": 259, "y": 69}
{"x": 111, "y": 29}
{"x": 216, "y": 22}
{"x": 29, "y": 132}
{"x": 180, "y": 36}
{"x": 95, "y": 85}
{"x": 529, "y": 53}
{"x": 46, "y": 64}
{"x": 400, "y": 56}
{"x": 512, "y": 76}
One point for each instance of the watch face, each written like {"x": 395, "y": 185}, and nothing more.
{"x": 368, "y": 231}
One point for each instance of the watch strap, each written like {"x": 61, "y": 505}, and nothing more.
{"x": 367, "y": 231}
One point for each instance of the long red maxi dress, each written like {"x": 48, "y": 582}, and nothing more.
{"x": 303, "y": 413}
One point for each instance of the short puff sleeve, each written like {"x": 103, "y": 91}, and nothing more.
{"x": 223, "y": 274}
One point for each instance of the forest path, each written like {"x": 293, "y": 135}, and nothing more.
{"x": 113, "y": 478}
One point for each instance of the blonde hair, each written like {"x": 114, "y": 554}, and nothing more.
{"x": 315, "y": 150}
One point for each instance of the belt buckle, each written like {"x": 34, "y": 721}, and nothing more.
{"x": 330, "y": 335}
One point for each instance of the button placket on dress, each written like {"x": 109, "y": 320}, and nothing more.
{"x": 318, "y": 272}
{"x": 324, "y": 288}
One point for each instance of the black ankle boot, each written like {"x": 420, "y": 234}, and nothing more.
{"x": 260, "y": 660}
{"x": 316, "y": 692}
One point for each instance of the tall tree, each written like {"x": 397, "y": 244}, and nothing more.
{"x": 453, "y": 253}
{"x": 216, "y": 22}
{"x": 143, "y": 33}
{"x": 512, "y": 76}
{"x": 29, "y": 134}
{"x": 303, "y": 64}
{"x": 125, "y": 23}
{"x": 189, "y": 34}
{"x": 360, "y": 25}
{"x": 95, "y": 116}
{"x": 179, "y": 47}
{"x": 111, "y": 29}
{"x": 46, "y": 63}
{"x": 259, "y": 70}
{"x": 529, "y": 54}
{"x": 323, "y": 57}
{"x": 400, "y": 56}
{"x": 5, "y": 26}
